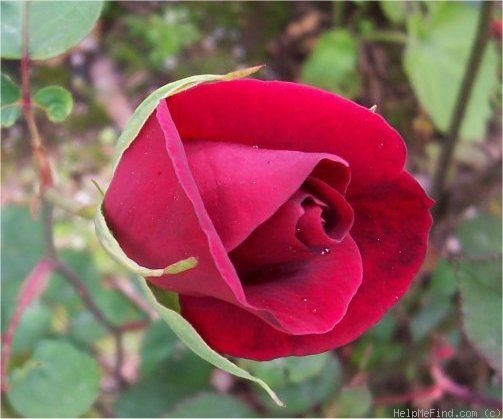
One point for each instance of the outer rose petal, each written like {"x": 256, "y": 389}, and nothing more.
{"x": 288, "y": 116}
{"x": 391, "y": 229}
{"x": 155, "y": 210}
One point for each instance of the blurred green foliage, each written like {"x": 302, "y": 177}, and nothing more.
{"x": 436, "y": 55}
{"x": 163, "y": 36}
{"x": 332, "y": 64}
{"x": 10, "y": 101}
{"x": 299, "y": 390}
{"x": 209, "y": 405}
{"x": 55, "y": 101}
{"x": 406, "y": 57}
{"x": 169, "y": 373}
{"x": 57, "y": 381}
{"x": 479, "y": 276}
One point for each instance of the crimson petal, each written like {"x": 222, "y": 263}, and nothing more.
{"x": 289, "y": 116}
{"x": 154, "y": 209}
{"x": 243, "y": 186}
{"x": 391, "y": 229}
{"x": 307, "y": 287}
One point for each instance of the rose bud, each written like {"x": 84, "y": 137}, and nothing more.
{"x": 295, "y": 203}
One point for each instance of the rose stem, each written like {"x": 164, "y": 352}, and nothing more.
{"x": 452, "y": 137}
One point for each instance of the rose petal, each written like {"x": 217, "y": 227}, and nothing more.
{"x": 288, "y": 116}
{"x": 155, "y": 210}
{"x": 242, "y": 186}
{"x": 306, "y": 287}
{"x": 339, "y": 215}
{"x": 391, "y": 228}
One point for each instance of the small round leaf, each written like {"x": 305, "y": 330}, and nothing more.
{"x": 53, "y": 26}
{"x": 9, "y": 101}
{"x": 58, "y": 381}
{"x": 56, "y": 101}
{"x": 210, "y": 405}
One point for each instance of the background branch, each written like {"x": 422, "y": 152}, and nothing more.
{"x": 39, "y": 152}
{"x": 46, "y": 182}
{"x": 474, "y": 61}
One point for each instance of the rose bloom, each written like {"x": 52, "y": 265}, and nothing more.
{"x": 295, "y": 202}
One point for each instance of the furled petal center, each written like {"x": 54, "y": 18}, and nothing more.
{"x": 284, "y": 220}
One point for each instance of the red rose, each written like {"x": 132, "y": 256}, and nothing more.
{"x": 295, "y": 203}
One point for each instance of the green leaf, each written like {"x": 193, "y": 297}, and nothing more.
{"x": 58, "y": 381}
{"x": 443, "y": 279}
{"x": 188, "y": 335}
{"x": 35, "y": 324}
{"x": 332, "y": 64}
{"x": 158, "y": 344}
{"x": 22, "y": 248}
{"x": 211, "y": 405}
{"x": 9, "y": 101}
{"x": 436, "y": 303}
{"x": 161, "y": 39}
{"x": 53, "y": 26}
{"x": 481, "y": 308}
{"x": 290, "y": 370}
{"x": 435, "y": 60}
{"x": 299, "y": 397}
{"x": 55, "y": 101}
{"x": 395, "y": 11}
{"x": 353, "y": 402}
{"x": 182, "y": 375}
{"x": 81, "y": 323}
{"x": 436, "y": 307}
{"x": 481, "y": 236}
{"x": 480, "y": 286}
{"x": 307, "y": 367}
{"x": 385, "y": 349}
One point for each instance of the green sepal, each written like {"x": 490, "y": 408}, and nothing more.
{"x": 145, "y": 109}
{"x": 113, "y": 248}
{"x": 189, "y": 336}
{"x": 165, "y": 302}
